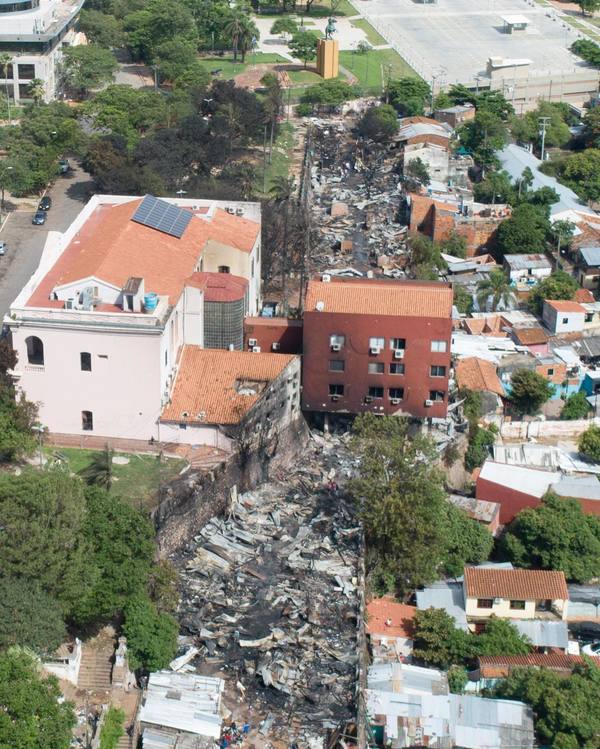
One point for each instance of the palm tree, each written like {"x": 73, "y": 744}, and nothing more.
{"x": 248, "y": 35}
{"x": 497, "y": 287}
{"x": 100, "y": 470}
{"x": 234, "y": 27}
{"x": 36, "y": 90}
{"x": 5, "y": 62}
{"x": 282, "y": 190}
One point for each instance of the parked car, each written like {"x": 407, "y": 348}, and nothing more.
{"x": 593, "y": 649}
{"x": 3, "y": 248}
{"x": 39, "y": 218}
{"x": 45, "y": 203}
{"x": 63, "y": 166}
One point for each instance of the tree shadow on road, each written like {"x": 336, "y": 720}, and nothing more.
{"x": 81, "y": 191}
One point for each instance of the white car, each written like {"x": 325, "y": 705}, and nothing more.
{"x": 593, "y": 649}
{"x": 3, "y": 248}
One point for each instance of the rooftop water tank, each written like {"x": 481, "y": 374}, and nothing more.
{"x": 150, "y": 301}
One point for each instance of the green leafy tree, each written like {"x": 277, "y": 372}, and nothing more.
{"x": 472, "y": 406}
{"x": 32, "y": 716}
{"x": 529, "y": 391}
{"x": 558, "y": 285}
{"x": 589, "y": 444}
{"x": 303, "y": 45}
{"x": 463, "y": 300}
{"x": 458, "y": 679}
{"x": 158, "y": 21}
{"x": 410, "y": 531}
{"x": 438, "y": 642}
{"x": 495, "y": 188}
{"x": 194, "y": 76}
{"x": 43, "y": 516}
{"x": 332, "y": 93}
{"x": 588, "y": 50}
{"x": 501, "y": 637}
{"x": 588, "y": 6}
{"x": 562, "y": 231}
{"x": 567, "y": 711}
{"x": 101, "y": 28}
{"x": 29, "y": 617}
{"x": 36, "y": 90}
{"x": 527, "y": 128}
{"x": 576, "y": 407}
{"x": 495, "y": 291}
{"x": 125, "y": 111}
{"x": 86, "y": 67}
{"x": 408, "y": 95}
{"x": 454, "y": 244}
{"x": 591, "y": 120}
{"x": 378, "y": 123}
{"x": 425, "y": 258}
{"x": 581, "y": 172}
{"x": 466, "y": 540}
{"x": 485, "y": 132}
{"x": 151, "y": 635}
{"x": 524, "y": 232}
{"x": 556, "y": 535}
{"x": 285, "y": 25}
{"x": 120, "y": 540}
{"x": 174, "y": 57}
{"x": 416, "y": 171}
{"x": 480, "y": 442}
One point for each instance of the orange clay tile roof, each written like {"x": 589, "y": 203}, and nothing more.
{"x": 378, "y": 297}
{"x": 380, "y": 610}
{"x": 498, "y": 666}
{"x": 477, "y": 374}
{"x": 219, "y": 287}
{"x": 517, "y": 584}
{"x": 584, "y": 296}
{"x": 111, "y": 247}
{"x": 561, "y": 305}
{"x": 206, "y": 383}
{"x": 530, "y": 336}
{"x": 492, "y": 325}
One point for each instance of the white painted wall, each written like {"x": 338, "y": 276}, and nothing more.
{"x": 501, "y": 608}
{"x": 563, "y": 322}
{"x": 208, "y": 434}
{"x": 122, "y": 390}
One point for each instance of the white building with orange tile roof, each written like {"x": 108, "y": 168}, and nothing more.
{"x": 100, "y": 326}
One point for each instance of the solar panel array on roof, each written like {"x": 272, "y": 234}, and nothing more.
{"x": 162, "y": 216}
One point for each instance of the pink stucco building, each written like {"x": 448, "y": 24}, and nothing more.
{"x": 101, "y": 325}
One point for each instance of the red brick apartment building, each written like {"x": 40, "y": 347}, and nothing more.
{"x": 379, "y": 346}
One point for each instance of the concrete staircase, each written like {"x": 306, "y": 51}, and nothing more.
{"x": 96, "y": 667}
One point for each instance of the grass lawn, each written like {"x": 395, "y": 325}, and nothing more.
{"x": 280, "y": 160}
{"x": 371, "y": 68}
{"x": 229, "y": 69}
{"x": 373, "y": 37}
{"x": 137, "y": 481}
{"x": 304, "y": 77}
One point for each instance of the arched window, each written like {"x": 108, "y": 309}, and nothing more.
{"x": 35, "y": 350}
{"x": 224, "y": 269}
{"x": 86, "y": 361}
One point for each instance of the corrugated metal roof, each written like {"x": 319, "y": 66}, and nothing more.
{"x": 526, "y": 262}
{"x": 444, "y": 595}
{"x": 580, "y": 487}
{"x": 527, "y": 480}
{"x": 544, "y": 634}
{"x": 183, "y": 702}
{"x": 590, "y": 255}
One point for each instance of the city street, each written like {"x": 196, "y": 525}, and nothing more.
{"x": 25, "y": 241}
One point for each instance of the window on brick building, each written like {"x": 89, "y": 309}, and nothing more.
{"x": 375, "y": 392}
{"x": 375, "y": 342}
{"x": 376, "y": 367}
{"x": 396, "y": 393}
{"x": 437, "y": 371}
{"x": 337, "y": 365}
{"x": 397, "y": 343}
{"x": 436, "y": 395}
{"x": 439, "y": 346}
{"x": 336, "y": 389}
{"x": 396, "y": 369}
{"x": 336, "y": 341}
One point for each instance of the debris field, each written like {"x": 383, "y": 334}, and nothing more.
{"x": 270, "y": 601}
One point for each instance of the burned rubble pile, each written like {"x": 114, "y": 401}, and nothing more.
{"x": 357, "y": 203}
{"x": 270, "y": 600}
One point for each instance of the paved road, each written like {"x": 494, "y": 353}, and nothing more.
{"x": 26, "y": 242}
